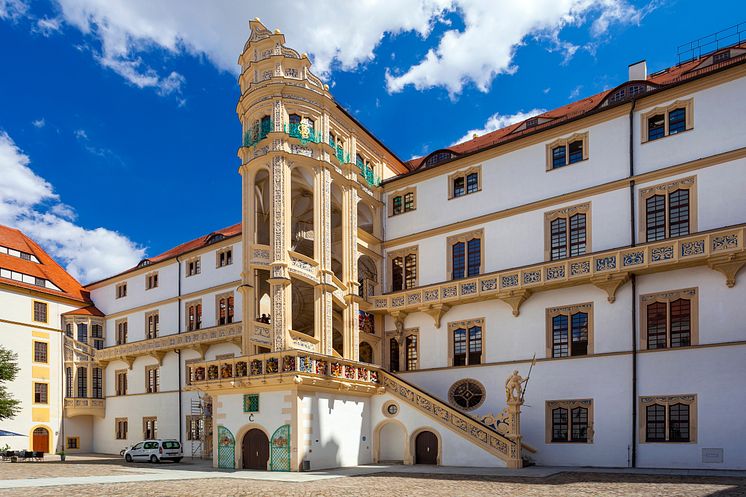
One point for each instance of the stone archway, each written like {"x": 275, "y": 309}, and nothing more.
{"x": 426, "y": 446}
{"x": 391, "y": 443}
{"x": 255, "y": 450}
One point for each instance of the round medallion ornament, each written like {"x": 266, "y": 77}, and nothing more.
{"x": 390, "y": 409}
{"x": 467, "y": 394}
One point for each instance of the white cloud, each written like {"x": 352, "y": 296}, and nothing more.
{"x": 336, "y": 34}
{"x": 48, "y": 26}
{"x": 28, "y": 202}
{"x": 575, "y": 93}
{"x": 39, "y": 123}
{"x": 498, "y": 121}
{"x": 12, "y": 9}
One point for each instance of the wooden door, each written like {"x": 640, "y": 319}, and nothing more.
{"x": 40, "y": 442}
{"x": 255, "y": 449}
{"x": 426, "y": 448}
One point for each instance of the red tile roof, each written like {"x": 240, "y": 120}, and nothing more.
{"x": 90, "y": 310}
{"x": 669, "y": 77}
{"x": 202, "y": 241}
{"x": 46, "y": 268}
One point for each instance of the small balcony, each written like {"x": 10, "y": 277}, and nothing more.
{"x": 79, "y": 406}
{"x": 293, "y": 367}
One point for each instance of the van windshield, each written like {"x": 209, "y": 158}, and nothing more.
{"x": 171, "y": 445}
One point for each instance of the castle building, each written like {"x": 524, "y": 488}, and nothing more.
{"x": 368, "y": 309}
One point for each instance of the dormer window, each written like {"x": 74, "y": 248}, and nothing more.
{"x": 721, "y": 57}
{"x": 438, "y": 157}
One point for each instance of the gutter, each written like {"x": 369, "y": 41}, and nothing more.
{"x": 633, "y": 242}
{"x": 178, "y": 352}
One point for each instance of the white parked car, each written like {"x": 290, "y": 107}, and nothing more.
{"x": 154, "y": 451}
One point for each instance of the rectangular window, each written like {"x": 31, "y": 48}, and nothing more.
{"x": 411, "y": 352}
{"x": 194, "y": 316}
{"x": 151, "y": 281}
{"x": 569, "y": 330}
{"x": 121, "y": 428}
{"x": 121, "y": 382}
{"x": 98, "y": 382}
{"x": 465, "y": 254}
{"x": 459, "y": 261}
{"x": 150, "y": 428}
{"x": 121, "y": 332}
{"x": 152, "y": 325}
{"x": 669, "y": 319}
{"x": 408, "y": 201}
{"x": 225, "y": 257}
{"x": 82, "y": 382}
{"x": 152, "y": 379}
{"x": 225, "y": 309}
{"x": 40, "y": 352}
{"x": 465, "y": 182}
{"x": 193, "y": 267}
{"x": 40, "y": 312}
{"x": 466, "y": 342}
{"x": 83, "y": 332}
{"x": 566, "y": 151}
{"x": 394, "y": 354}
{"x": 121, "y": 290}
{"x": 68, "y": 382}
{"x": 41, "y": 393}
{"x": 666, "y": 121}
{"x": 251, "y": 402}
{"x": 73, "y": 442}
{"x": 569, "y": 421}
{"x": 567, "y": 232}
{"x": 669, "y": 419}
{"x": 410, "y": 271}
{"x": 397, "y": 205}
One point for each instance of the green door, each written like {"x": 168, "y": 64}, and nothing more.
{"x": 279, "y": 447}
{"x": 226, "y": 449}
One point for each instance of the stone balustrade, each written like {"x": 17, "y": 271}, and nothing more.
{"x": 80, "y": 406}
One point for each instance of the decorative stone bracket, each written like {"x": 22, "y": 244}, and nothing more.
{"x": 729, "y": 265}
{"x": 436, "y": 311}
{"x": 610, "y": 283}
{"x": 514, "y": 298}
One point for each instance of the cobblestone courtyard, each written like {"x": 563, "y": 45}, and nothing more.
{"x": 198, "y": 480}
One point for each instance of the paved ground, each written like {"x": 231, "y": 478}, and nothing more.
{"x": 95, "y": 477}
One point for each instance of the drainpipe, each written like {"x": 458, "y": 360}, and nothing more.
{"x": 633, "y": 242}
{"x": 178, "y": 351}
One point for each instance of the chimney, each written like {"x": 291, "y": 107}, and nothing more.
{"x": 638, "y": 71}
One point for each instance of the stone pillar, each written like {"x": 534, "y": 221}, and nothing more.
{"x": 279, "y": 278}
{"x": 247, "y": 277}
{"x": 323, "y": 255}
{"x": 349, "y": 275}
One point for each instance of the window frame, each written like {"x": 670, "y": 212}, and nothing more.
{"x": 156, "y": 319}
{"x": 467, "y": 326}
{"x": 567, "y": 213}
{"x": 403, "y": 253}
{"x": 117, "y": 384}
{"x": 118, "y": 329}
{"x": 70, "y": 441}
{"x": 230, "y": 310}
{"x": 667, "y": 401}
{"x": 120, "y": 290}
{"x": 665, "y": 110}
{"x": 568, "y": 311}
{"x": 198, "y": 318}
{"x": 197, "y": 261}
{"x": 565, "y": 142}
{"x": 120, "y": 423}
{"x": 401, "y": 340}
{"x": 569, "y": 405}
{"x": 667, "y": 297}
{"x": 43, "y": 393}
{"x": 463, "y": 176}
{"x": 46, "y": 351}
{"x": 452, "y": 394}
{"x": 151, "y": 280}
{"x": 145, "y": 421}
{"x": 156, "y": 382}
{"x": 228, "y": 252}
{"x": 401, "y": 194}
{"x": 667, "y": 189}
{"x": 43, "y": 305}
{"x": 464, "y": 238}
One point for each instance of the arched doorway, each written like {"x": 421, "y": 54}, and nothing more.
{"x": 255, "y": 450}
{"x": 40, "y": 442}
{"x": 426, "y": 448}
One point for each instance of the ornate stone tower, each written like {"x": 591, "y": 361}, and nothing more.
{"x": 310, "y": 178}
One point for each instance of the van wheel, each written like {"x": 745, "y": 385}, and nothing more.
{"x": 153, "y": 458}
{"x": 128, "y": 458}
{"x": 178, "y": 459}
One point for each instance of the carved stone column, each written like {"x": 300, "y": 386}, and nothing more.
{"x": 323, "y": 254}
{"x": 351, "y": 331}
{"x": 247, "y": 277}
{"x": 280, "y": 241}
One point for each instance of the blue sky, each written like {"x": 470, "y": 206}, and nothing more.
{"x": 118, "y": 131}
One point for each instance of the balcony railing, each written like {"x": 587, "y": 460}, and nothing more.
{"x": 227, "y": 373}
{"x": 303, "y": 132}
{"x": 257, "y": 133}
{"x": 79, "y": 406}
{"x": 168, "y": 343}
{"x": 607, "y": 269}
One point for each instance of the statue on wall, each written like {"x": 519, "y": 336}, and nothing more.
{"x": 514, "y": 387}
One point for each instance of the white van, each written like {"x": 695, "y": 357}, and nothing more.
{"x": 155, "y": 451}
